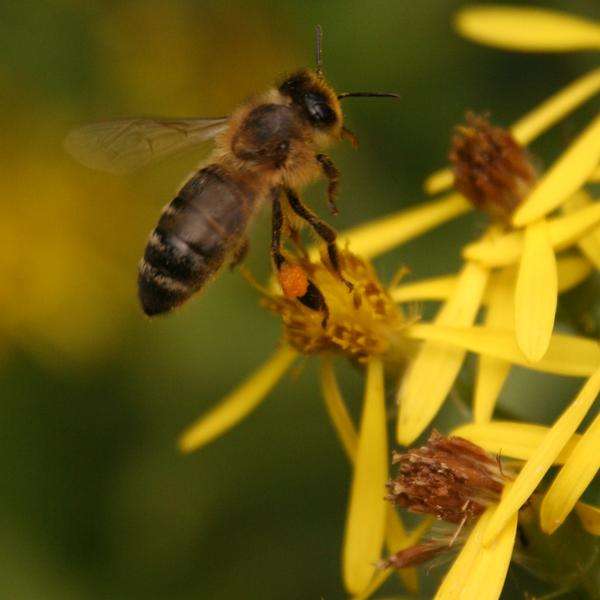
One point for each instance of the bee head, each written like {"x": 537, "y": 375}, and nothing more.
{"x": 315, "y": 100}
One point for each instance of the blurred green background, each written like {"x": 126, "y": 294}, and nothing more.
{"x": 95, "y": 500}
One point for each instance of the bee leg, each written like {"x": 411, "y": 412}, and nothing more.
{"x": 276, "y": 229}
{"x": 324, "y": 231}
{"x": 314, "y": 299}
{"x": 333, "y": 176}
{"x": 240, "y": 254}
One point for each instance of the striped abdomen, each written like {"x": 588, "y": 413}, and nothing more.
{"x": 195, "y": 234}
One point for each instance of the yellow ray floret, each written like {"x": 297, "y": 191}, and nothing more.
{"x": 534, "y": 123}
{"x": 396, "y": 535}
{"x": 365, "y": 524}
{"x": 492, "y": 372}
{"x": 512, "y": 438}
{"x": 379, "y": 236}
{"x": 565, "y": 176}
{"x": 566, "y": 355}
{"x": 571, "y": 270}
{"x": 505, "y": 249}
{"x": 527, "y": 29}
{"x": 589, "y": 244}
{"x": 479, "y": 571}
{"x": 589, "y": 516}
{"x": 431, "y": 374}
{"x": 536, "y": 293}
{"x": 383, "y": 575}
{"x": 238, "y": 403}
{"x": 572, "y": 480}
{"x": 336, "y": 408}
{"x": 536, "y": 467}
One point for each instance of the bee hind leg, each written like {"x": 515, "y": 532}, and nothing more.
{"x": 324, "y": 231}
{"x": 333, "y": 177}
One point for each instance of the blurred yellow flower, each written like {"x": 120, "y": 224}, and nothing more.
{"x": 528, "y": 29}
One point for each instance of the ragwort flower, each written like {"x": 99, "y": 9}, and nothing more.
{"x": 494, "y": 171}
{"x": 458, "y": 482}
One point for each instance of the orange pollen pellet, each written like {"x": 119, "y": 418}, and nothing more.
{"x": 293, "y": 280}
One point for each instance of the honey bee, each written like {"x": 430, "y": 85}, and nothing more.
{"x": 268, "y": 148}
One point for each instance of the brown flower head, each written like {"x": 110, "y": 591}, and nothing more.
{"x": 491, "y": 169}
{"x": 449, "y": 477}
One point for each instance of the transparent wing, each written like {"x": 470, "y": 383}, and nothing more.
{"x": 124, "y": 145}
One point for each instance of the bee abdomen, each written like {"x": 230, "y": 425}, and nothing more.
{"x": 197, "y": 230}
{"x": 169, "y": 273}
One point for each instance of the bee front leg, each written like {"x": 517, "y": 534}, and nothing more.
{"x": 333, "y": 176}
{"x": 324, "y": 231}
{"x": 276, "y": 229}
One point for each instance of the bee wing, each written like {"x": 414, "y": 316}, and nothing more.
{"x": 123, "y": 145}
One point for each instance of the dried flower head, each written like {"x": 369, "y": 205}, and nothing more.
{"x": 360, "y": 322}
{"x": 448, "y": 477}
{"x": 491, "y": 169}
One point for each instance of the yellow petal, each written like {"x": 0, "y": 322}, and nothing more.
{"x": 478, "y": 573}
{"x": 589, "y": 516}
{"x": 527, "y": 29}
{"x": 365, "y": 524}
{"x": 382, "y": 576}
{"x": 511, "y": 438}
{"x": 431, "y": 374}
{"x": 589, "y": 244}
{"x": 595, "y": 176}
{"x": 567, "y": 354}
{"x": 535, "y": 122}
{"x": 492, "y": 372}
{"x": 572, "y": 480}
{"x": 438, "y": 181}
{"x": 552, "y": 110}
{"x": 435, "y": 288}
{"x": 395, "y": 534}
{"x": 563, "y": 231}
{"x": 536, "y": 294}
{"x": 336, "y": 408}
{"x": 379, "y": 236}
{"x": 572, "y": 270}
{"x": 544, "y": 456}
{"x": 234, "y": 407}
{"x": 565, "y": 176}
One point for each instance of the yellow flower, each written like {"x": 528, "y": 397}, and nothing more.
{"x": 455, "y": 479}
{"x": 492, "y": 370}
{"x": 542, "y": 448}
{"x": 460, "y": 483}
{"x": 515, "y": 270}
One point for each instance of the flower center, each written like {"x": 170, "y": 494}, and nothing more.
{"x": 491, "y": 169}
{"x": 449, "y": 477}
{"x": 359, "y": 323}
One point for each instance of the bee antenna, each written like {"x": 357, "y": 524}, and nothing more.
{"x": 319, "y": 58}
{"x": 368, "y": 95}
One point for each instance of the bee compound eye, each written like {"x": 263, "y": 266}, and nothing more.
{"x": 319, "y": 111}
